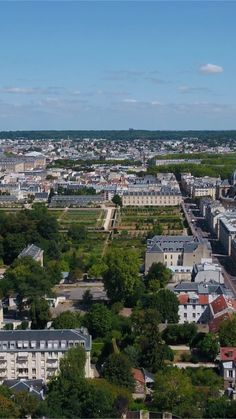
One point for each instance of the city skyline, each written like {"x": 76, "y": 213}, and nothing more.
{"x": 110, "y": 65}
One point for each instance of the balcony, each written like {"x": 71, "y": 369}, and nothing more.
{"x": 53, "y": 366}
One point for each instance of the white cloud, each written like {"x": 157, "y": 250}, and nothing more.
{"x": 20, "y": 90}
{"x": 211, "y": 69}
{"x": 130, "y": 100}
{"x": 189, "y": 89}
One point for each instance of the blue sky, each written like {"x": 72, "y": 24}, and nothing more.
{"x": 117, "y": 64}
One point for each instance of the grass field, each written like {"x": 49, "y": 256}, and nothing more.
{"x": 87, "y": 217}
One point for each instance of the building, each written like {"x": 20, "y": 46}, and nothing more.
{"x": 35, "y": 354}
{"x": 205, "y": 272}
{"x": 34, "y": 252}
{"x": 221, "y": 308}
{"x": 227, "y": 231}
{"x": 164, "y": 197}
{"x": 228, "y": 365}
{"x": 193, "y": 308}
{"x": 177, "y": 251}
{"x": 76, "y": 200}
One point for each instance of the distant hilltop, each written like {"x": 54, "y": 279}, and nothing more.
{"x": 130, "y": 134}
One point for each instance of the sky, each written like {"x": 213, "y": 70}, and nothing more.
{"x": 117, "y": 65}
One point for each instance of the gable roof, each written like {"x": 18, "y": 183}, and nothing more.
{"x": 34, "y": 387}
{"x": 222, "y": 303}
{"x": 228, "y": 353}
{"x": 214, "y": 324}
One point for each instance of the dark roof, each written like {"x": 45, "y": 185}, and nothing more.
{"x": 34, "y": 387}
{"x": 172, "y": 243}
{"x": 44, "y": 335}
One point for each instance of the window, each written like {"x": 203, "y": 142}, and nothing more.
{"x": 49, "y": 344}
{"x": 230, "y": 373}
{"x": 185, "y": 315}
{"x": 185, "y": 307}
{"x": 194, "y": 315}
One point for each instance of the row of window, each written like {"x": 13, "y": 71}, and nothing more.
{"x": 42, "y": 344}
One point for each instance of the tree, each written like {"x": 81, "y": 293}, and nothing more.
{"x": 159, "y": 273}
{"x": 13, "y": 244}
{"x": 207, "y": 346}
{"x": 121, "y": 279}
{"x": 220, "y": 408}
{"x": 153, "y": 351}
{"x": 98, "y": 320}
{"x": 71, "y": 395}
{"x": 8, "y": 409}
{"x": 27, "y": 404}
{"x": 78, "y": 233}
{"x": 39, "y": 313}
{"x": 117, "y": 370}
{"x": 227, "y": 332}
{"x": 176, "y": 334}
{"x": 67, "y": 320}
{"x": 87, "y": 299}
{"x": 97, "y": 270}
{"x": 117, "y": 200}
{"x": 27, "y": 278}
{"x": 167, "y": 304}
{"x": 173, "y": 392}
{"x": 205, "y": 377}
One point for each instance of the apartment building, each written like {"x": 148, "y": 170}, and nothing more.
{"x": 193, "y": 308}
{"x": 227, "y": 231}
{"x": 163, "y": 198}
{"x": 35, "y": 354}
{"x": 199, "y": 186}
{"x": 205, "y": 272}
{"x": 177, "y": 251}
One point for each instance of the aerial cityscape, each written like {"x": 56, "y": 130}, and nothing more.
{"x": 117, "y": 210}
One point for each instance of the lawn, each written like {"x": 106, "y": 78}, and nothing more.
{"x": 88, "y": 218}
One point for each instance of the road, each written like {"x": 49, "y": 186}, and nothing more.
{"x": 196, "y": 224}
{"x": 109, "y": 214}
{"x": 74, "y": 292}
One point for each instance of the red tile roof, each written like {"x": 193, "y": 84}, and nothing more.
{"x": 215, "y": 323}
{"x": 183, "y": 298}
{"x": 222, "y": 303}
{"x": 202, "y": 299}
{"x": 228, "y": 353}
{"x": 138, "y": 375}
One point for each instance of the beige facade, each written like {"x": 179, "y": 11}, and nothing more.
{"x": 176, "y": 251}
{"x": 35, "y": 354}
{"x": 204, "y": 191}
{"x": 152, "y": 198}
{"x": 227, "y": 231}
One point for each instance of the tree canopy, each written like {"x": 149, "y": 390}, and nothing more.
{"x": 121, "y": 279}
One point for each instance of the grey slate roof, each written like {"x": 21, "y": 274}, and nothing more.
{"x": 211, "y": 287}
{"x": 59, "y": 335}
{"x": 172, "y": 243}
{"x": 34, "y": 387}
